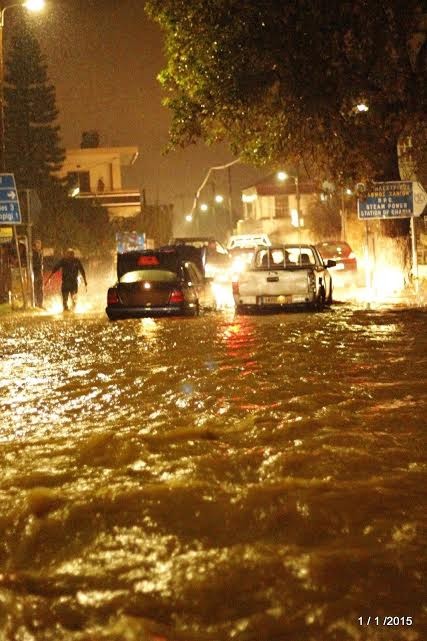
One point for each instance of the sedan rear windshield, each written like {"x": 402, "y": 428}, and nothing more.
{"x": 331, "y": 250}
{"x": 156, "y": 275}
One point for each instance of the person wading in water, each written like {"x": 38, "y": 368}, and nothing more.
{"x": 70, "y": 266}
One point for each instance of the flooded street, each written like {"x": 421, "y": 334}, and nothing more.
{"x": 253, "y": 478}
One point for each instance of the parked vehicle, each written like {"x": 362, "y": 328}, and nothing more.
{"x": 282, "y": 276}
{"x": 155, "y": 282}
{"x": 341, "y": 253}
{"x": 241, "y": 258}
{"x": 215, "y": 257}
{"x": 248, "y": 241}
{"x": 242, "y": 249}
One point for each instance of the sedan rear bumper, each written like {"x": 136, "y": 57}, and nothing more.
{"x": 117, "y": 312}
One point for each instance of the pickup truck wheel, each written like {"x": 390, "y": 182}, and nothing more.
{"x": 321, "y": 298}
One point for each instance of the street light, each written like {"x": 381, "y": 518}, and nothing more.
{"x": 362, "y": 106}
{"x": 189, "y": 218}
{"x": 219, "y": 199}
{"x": 204, "y": 207}
{"x": 34, "y": 5}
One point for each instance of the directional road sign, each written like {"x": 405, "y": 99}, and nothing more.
{"x": 10, "y": 211}
{"x": 400, "y": 199}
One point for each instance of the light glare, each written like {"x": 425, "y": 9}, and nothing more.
{"x": 282, "y": 175}
{"x": 362, "y": 107}
{"x": 34, "y": 5}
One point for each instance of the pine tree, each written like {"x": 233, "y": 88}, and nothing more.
{"x": 33, "y": 151}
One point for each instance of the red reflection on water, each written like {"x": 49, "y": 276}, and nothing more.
{"x": 238, "y": 336}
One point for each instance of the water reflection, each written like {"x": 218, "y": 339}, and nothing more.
{"x": 153, "y": 466}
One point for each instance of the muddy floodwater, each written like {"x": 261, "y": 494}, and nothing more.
{"x": 219, "y": 478}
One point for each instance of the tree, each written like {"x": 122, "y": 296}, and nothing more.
{"x": 71, "y": 222}
{"x": 32, "y": 143}
{"x": 157, "y": 223}
{"x": 323, "y": 218}
{"x": 281, "y": 81}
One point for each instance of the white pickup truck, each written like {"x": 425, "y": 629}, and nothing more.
{"x": 282, "y": 276}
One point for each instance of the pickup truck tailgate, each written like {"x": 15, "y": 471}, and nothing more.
{"x": 273, "y": 283}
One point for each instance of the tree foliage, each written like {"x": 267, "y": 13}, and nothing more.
{"x": 157, "y": 223}
{"x": 34, "y": 154}
{"x": 70, "y": 222}
{"x": 33, "y": 151}
{"x": 281, "y": 80}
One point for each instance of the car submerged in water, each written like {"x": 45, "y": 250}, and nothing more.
{"x": 154, "y": 283}
{"x": 284, "y": 276}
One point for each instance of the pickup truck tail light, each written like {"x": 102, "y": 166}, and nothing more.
{"x": 235, "y": 286}
{"x": 176, "y": 296}
{"x": 311, "y": 281}
{"x": 112, "y": 296}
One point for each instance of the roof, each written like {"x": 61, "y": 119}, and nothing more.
{"x": 127, "y": 155}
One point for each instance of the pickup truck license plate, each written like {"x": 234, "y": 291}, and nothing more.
{"x": 275, "y": 300}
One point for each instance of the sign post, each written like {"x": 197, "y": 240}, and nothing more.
{"x": 10, "y": 214}
{"x": 399, "y": 199}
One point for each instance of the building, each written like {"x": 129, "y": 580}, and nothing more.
{"x": 270, "y": 207}
{"x": 96, "y": 172}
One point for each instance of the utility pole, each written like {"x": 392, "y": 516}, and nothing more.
{"x": 230, "y": 202}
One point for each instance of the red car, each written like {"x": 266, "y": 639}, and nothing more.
{"x": 341, "y": 253}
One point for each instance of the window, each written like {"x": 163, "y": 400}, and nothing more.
{"x": 84, "y": 181}
{"x": 80, "y": 179}
{"x": 249, "y": 210}
{"x": 157, "y": 275}
{"x": 281, "y": 206}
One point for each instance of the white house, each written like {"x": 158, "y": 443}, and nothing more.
{"x": 270, "y": 207}
{"x": 96, "y": 172}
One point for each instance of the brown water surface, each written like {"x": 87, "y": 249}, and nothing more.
{"x": 218, "y": 478}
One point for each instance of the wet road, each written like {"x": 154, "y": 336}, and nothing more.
{"x": 249, "y": 478}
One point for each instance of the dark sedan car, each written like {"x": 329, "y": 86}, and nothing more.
{"x": 155, "y": 282}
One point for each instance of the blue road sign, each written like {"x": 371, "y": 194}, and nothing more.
{"x": 10, "y": 211}
{"x": 388, "y": 200}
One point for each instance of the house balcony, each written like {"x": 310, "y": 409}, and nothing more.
{"x": 120, "y": 202}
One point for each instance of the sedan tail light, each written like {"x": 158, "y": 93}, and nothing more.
{"x": 112, "y": 296}
{"x": 176, "y": 296}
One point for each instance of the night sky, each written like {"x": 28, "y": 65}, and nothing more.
{"x": 103, "y": 57}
